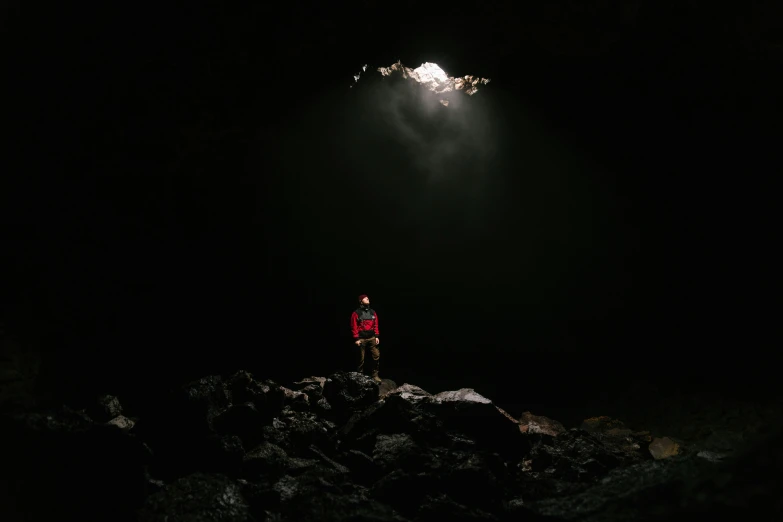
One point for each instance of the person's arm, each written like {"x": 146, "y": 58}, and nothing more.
{"x": 377, "y": 333}
{"x": 355, "y": 326}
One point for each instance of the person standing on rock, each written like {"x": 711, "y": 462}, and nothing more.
{"x": 364, "y": 326}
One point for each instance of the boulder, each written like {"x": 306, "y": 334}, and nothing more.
{"x": 398, "y": 451}
{"x": 266, "y": 395}
{"x": 265, "y": 459}
{"x": 308, "y": 381}
{"x": 105, "y": 408}
{"x": 663, "y": 447}
{"x": 313, "y": 391}
{"x": 349, "y": 392}
{"x": 535, "y": 424}
{"x": 475, "y": 416}
{"x": 122, "y": 422}
{"x": 530, "y": 423}
{"x": 296, "y": 431}
{"x": 296, "y": 400}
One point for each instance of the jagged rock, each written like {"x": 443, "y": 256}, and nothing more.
{"x": 201, "y": 401}
{"x": 461, "y": 396}
{"x": 539, "y": 424}
{"x": 198, "y": 497}
{"x": 662, "y": 448}
{"x": 275, "y": 433}
{"x": 290, "y": 488}
{"x": 406, "y": 459}
{"x": 323, "y": 407}
{"x": 296, "y": 466}
{"x": 578, "y": 455}
{"x": 122, "y": 422}
{"x": 393, "y": 414}
{"x": 398, "y": 451}
{"x": 267, "y": 395}
{"x": 296, "y": 400}
{"x": 476, "y": 477}
{"x": 410, "y": 392}
{"x": 243, "y": 420}
{"x": 305, "y": 429}
{"x": 314, "y": 391}
{"x": 308, "y": 394}
{"x": 265, "y": 459}
{"x": 449, "y": 419}
{"x": 105, "y": 408}
{"x": 477, "y": 417}
{"x": 308, "y": 381}
{"x": 242, "y": 386}
{"x": 348, "y": 392}
{"x": 535, "y": 424}
{"x": 360, "y": 425}
{"x": 270, "y": 460}
{"x": 295, "y": 431}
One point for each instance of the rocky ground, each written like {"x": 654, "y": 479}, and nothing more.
{"x": 236, "y": 448}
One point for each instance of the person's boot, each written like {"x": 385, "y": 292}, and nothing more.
{"x": 375, "y": 377}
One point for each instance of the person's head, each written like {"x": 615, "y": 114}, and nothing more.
{"x": 363, "y": 299}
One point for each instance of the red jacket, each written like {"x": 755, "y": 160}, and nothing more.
{"x": 364, "y": 323}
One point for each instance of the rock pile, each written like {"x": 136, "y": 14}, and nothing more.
{"x": 240, "y": 449}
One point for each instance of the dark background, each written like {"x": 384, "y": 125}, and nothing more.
{"x": 198, "y": 190}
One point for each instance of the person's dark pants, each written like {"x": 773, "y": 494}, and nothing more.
{"x": 375, "y": 353}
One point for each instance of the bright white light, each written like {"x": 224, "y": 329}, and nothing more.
{"x": 359, "y": 74}
{"x": 435, "y": 79}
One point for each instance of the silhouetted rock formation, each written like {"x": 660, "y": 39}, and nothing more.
{"x": 239, "y": 449}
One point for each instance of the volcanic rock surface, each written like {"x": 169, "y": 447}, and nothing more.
{"x": 237, "y": 448}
